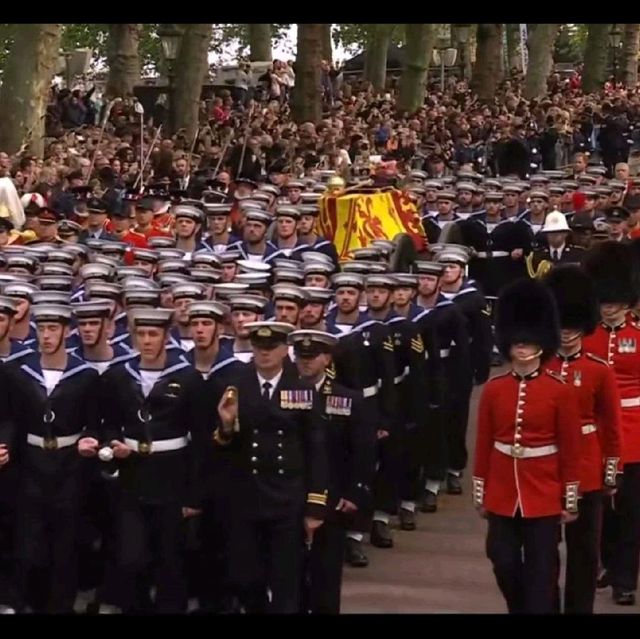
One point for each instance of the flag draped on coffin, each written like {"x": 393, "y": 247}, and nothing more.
{"x": 354, "y": 220}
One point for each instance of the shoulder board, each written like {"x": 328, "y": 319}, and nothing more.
{"x": 595, "y": 358}
{"x": 555, "y": 376}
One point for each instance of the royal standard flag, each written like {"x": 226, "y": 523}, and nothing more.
{"x": 354, "y": 220}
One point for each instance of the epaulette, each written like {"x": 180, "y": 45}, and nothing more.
{"x": 555, "y": 376}
{"x": 595, "y": 358}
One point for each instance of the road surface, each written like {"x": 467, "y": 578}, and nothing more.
{"x": 439, "y": 568}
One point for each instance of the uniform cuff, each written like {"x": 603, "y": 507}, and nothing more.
{"x": 571, "y": 497}
{"x": 478, "y": 491}
{"x": 610, "y": 471}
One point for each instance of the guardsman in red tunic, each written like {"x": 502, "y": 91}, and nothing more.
{"x": 617, "y": 340}
{"x": 594, "y": 384}
{"x": 527, "y": 459}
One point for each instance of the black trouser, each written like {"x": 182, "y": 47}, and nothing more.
{"x": 455, "y": 428}
{"x": 582, "y": 536}
{"x": 325, "y": 565}
{"x": 151, "y": 534}
{"x": 625, "y": 558}
{"x": 267, "y": 553}
{"x": 414, "y": 449}
{"x": 46, "y": 552}
{"x": 524, "y": 557}
{"x": 386, "y": 482}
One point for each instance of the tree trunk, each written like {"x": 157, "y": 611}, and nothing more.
{"x": 25, "y": 86}
{"x": 259, "y": 42}
{"x": 514, "y": 58}
{"x": 192, "y": 64}
{"x": 542, "y": 38}
{"x": 123, "y": 59}
{"x": 595, "y": 57}
{"x": 420, "y": 39}
{"x": 307, "y": 96}
{"x": 630, "y": 54}
{"x": 327, "y": 45}
{"x": 377, "y": 49}
{"x": 486, "y": 70}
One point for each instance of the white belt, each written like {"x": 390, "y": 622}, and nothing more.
{"x": 518, "y": 451}
{"x": 399, "y": 378}
{"x": 370, "y": 391}
{"x": 53, "y": 443}
{"x": 490, "y": 254}
{"x": 587, "y": 429}
{"x": 445, "y": 352}
{"x": 160, "y": 446}
{"x": 630, "y": 402}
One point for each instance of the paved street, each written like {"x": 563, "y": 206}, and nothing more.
{"x": 439, "y": 568}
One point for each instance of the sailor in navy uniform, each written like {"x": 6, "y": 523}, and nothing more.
{"x": 158, "y": 430}
{"x": 53, "y": 400}
{"x": 254, "y": 244}
{"x": 535, "y": 216}
{"x": 315, "y": 242}
{"x": 500, "y": 246}
{"x": 245, "y": 309}
{"x": 183, "y": 295}
{"x": 218, "y": 236}
{"x": 285, "y": 236}
{"x": 23, "y": 329}
{"x": 10, "y": 349}
{"x": 434, "y": 224}
{"x": 317, "y": 272}
{"x": 477, "y": 314}
{"x": 214, "y": 360}
{"x": 288, "y": 300}
{"x": 279, "y": 473}
{"x": 90, "y": 273}
{"x": 312, "y": 314}
{"x": 112, "y": 292}
{"x": 363, "y": 361}
{"x": 351, "y": 445}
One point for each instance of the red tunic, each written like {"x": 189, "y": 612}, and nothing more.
{"x": 594, "y": 384}
{"x": 620, "y": 348}
{"x": 533, "y": 412}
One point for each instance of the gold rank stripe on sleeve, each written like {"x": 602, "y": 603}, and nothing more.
{"x": 296, "y": 399}
{"x": 417, "y": 344}
{"x": 317, "y": 498}
{"x": 388, "y": 344}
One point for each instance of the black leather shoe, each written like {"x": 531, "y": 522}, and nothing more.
{"x": 624, "y": 597}
{"x": 454, "y": 485}
{"x": 407, "y": 519}
{"x": 380, "y": 535}
{"x": 429, "y": 502}
{"x": 355, "y": 555}
{"x": 603, "y": 581}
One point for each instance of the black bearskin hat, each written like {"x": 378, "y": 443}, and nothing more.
{"x": 613, "y": 269}
{"x": 526, "y": 313}
{"x": 575, "y": 298}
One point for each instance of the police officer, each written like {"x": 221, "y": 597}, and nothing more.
{"x": 351, "y": 449}
{"x": 159, "y": 426}
{"x": 53, "y": 401}
{"x": 526, "y": 474}
{"x": 594, "y": 384}
{"x": 279, "y": 472}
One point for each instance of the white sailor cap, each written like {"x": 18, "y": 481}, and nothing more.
{"x": 63, "y": 256}
{"x": 229, "y": 256}
{"x": 253, "y": 266}
{"x": 288, "y": 292}
{"x": 8, "y": 305}
{"x": 96, "y": 271}
{"x": 205, "y": 275}
{"x": 405, "y": 280}
{"x": 150, "y": 316}
{"x": 209, "y": 309}
{"x": 122, "y": 272}
{"x": 428, "y": 268}
{"x": 173, "y": 266}
{"x": 283, "y": 262}
{"x": 56, "y": 268}
{"x": 103, "y": 290}
{"x": 253, "y": 303}
{"x": 161, "y": 242}
{"x": 367, "y": 253}
{"x": 317, "y": 295}
{"x": 365, "y": 267}
{"x": 352, "y": 280}
{"x": 23, "y": 261}
{"x": 226, "y": 289}
{"x": 51, "y": 297}
{"x": 321, "y": 268}
{"x": 168, "y": 280}
{"x": 23, "y": 290}
{"x": 93, "y": 309}
{"x": 58, "y": 313}
{"x": 109, "y": 246}
{"x": 145, "y": 255}
{"x": 141, "y": 297}
{"x": 213, "y": 209}
{"x": 139, "y": 284}
{"x": 188, "y": 290}
{"x": 310, "y": 343}
{"x": 259, "y": 215}
{"x": 170, "y": 254}
{"x": 187, "y": 211}
{"x": 454, "y": 254}
{"x": 54, "y": 283}
{"x": 294, "y": 184}
{"x": 204, "y": 258}
{"x": 261, "y": 197}
{"x": 272, "y": 189}
{"x": 380, "y": 280}
{"x": 254, "y": 279}
{"x": 288, "y": 211}
{"x": 310, "y": 197}
{"x": 288, "y": 275}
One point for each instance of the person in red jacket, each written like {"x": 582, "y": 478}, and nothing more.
{"x": 527, "y": 457}
{"x": 594, "y": 384}
{"x": 616, "y": 339}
